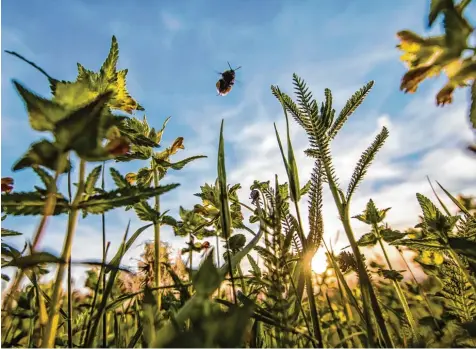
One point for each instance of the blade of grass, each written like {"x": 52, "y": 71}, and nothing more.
{"x": 225, "y": 214}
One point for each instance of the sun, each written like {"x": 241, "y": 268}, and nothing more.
{"x": 319, "y": 261}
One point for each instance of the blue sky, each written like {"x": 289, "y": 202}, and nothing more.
{"x": 173, "y": 50}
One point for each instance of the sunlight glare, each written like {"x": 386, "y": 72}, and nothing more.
{"x": 319, "y": 261}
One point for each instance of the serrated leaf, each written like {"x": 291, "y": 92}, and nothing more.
{"x": 108, "y": 69}
{"x": 8, "y": 232}
{"x": 391, "y": 274}
{"x": 45, "y": 177}
{"x": 368, "y": 239}
{"x": 42, "y": 153}
{"x": 178, "y": 165}
{"x": 422, "y": 244}
{"x": 43, "y": 114}
{"x": 30, "y": 203}
{"x": 101, "y": 203}
{"x": 92, "y": 179}
{"x": 254, "y": 266}
{"x": 207, "y": 278}
{"x": 83, "y": 130}
{"x": 144, "y": 177}
{"x": 236, "y": 242}
{"x": 389, "y": 235}
{"x": 169, "y": 220}
{"x": 118, "y": 179}
{"x": 145, "y": 212}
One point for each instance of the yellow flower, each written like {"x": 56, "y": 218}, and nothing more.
{"x": 131, "y": 177}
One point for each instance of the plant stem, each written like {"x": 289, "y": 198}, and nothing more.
{"x": 50, "y": 333}
{"x": 428, "y": 306}
{"x": 48, "y": 210}
{"x": 157, "y": 241}
{"x": 103, "y": 221}
{"x": 70, "y": 298}
{"x": 399, "y": 291}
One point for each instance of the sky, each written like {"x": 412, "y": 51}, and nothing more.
{"x": 173, "y": 51}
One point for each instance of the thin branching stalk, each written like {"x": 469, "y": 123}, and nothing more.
{"x": 50, "y": 333}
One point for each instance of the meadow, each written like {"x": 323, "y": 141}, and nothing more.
{"x": 281, "y": 301}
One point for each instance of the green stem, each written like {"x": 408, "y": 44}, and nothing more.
{"x": 50, "y": 333}
{"x": 157, "y": 275}
{"x": 242, "y": 279}
{"x": 70, "y": 295}
{"x": 103, "y": 221}
{"x": 423, "y": 294}
{"x": 398, "y": 289}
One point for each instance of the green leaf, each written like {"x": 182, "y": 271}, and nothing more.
{"x": 8, "y": 232}
{"x": 389, "y": 235}
{"x": 391, "y": 274}
{"x": 365, "y": 161}
{"x": 254, "y": 266}
{"x": 304, "y": 190}
{"x": 84, "y": 129}
{"x": 30, "y": 204}
{"x": 101, "y": 203}
{"x": 45, "y": 177}
{"x": 207, "y": 279}
{"x": 463, "y": 246}
{"x": 421, "y": 245}
{"x": 118, "y": 179}
{"x": 43, "y": 113}
{"x": 225, "y": 215}
{"x": 368, "y": 239}
{"x": 116, "y": 260}
{"x": 92, "y": 179}
{"x": 178, "y": 165}
{"x": 145, "y": 212}
{"x": 169, "y": 220}
{"x": 42, "y": 153}
{"x": 144, "y": 177}
{"x": 436, "y": 7}
{"x": 237, "y": 242}
{"x": 25, "y": 262}
{"x": 108, "y": 69}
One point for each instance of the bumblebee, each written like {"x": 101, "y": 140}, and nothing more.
{"x": 225, "y": 84}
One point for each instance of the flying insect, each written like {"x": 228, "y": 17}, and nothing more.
{"x": 225, "y": 84}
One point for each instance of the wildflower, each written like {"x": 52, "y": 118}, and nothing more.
{"x": 131, "y": 177}
{"x": 7, "y": 185}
